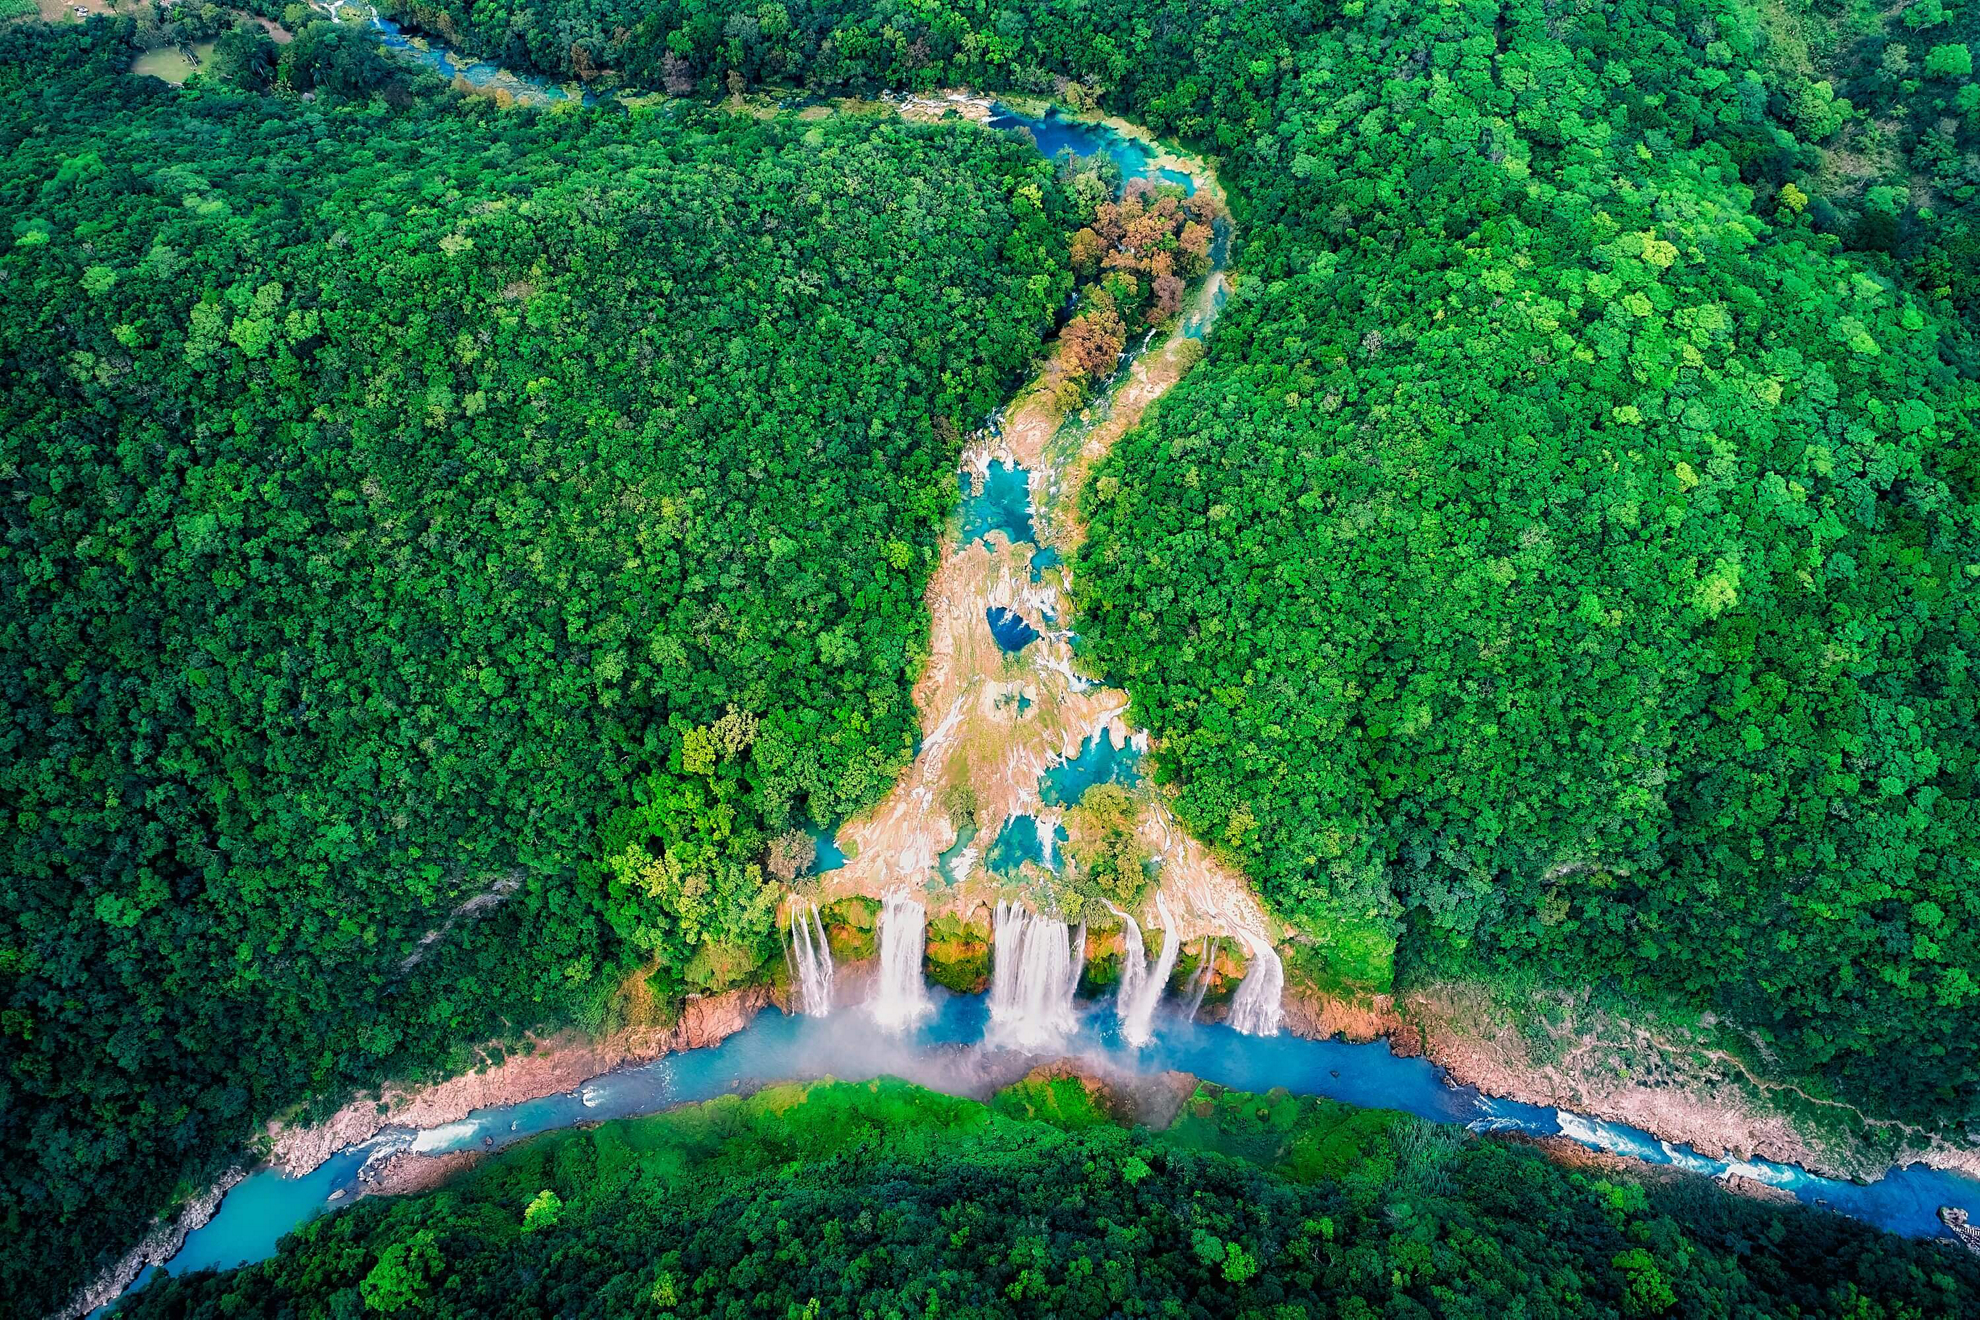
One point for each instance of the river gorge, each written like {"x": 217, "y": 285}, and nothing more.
{"x": 1008, "y": 713}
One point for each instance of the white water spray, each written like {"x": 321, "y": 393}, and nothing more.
{"x": 1255, "y": 1009}
{"x": 902, "y": 999}
{"x": 813, "y": 957}
{"x": 1204, "y": 970}
{"x": 1032, "y": 975}
{"x": 1134, "y": 963}
{"x": 1141, "y": 990}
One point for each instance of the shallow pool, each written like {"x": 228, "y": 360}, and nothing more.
{"x": 1009, "y": 628}
{"x": 1019, "y": 842}
{"x": 1098, "y": 762}
{"x": 997, "y": 501}
{"x": 1054, "y": 134}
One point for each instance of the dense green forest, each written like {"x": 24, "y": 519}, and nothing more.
{"x": 408, "y": 508}
{"x": 1564, "y": 565}
{"x": 885, "y": 1200}
{"x": 450, "y": 554}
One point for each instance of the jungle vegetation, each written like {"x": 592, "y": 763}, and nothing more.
{"x": 439, "y": 585}
{"x": 432, "y": 579}
{"x": 883, "y": 1199}
{"x": 1564, "y": 565}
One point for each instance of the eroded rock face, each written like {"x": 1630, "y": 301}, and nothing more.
{"x": 1962, "y": 1227}
{"x": 713, "y": 1018}
{"x": 558, "y": 1064}
{"x": 155, "y": 1248}
{"x": 1321, "y": 1017}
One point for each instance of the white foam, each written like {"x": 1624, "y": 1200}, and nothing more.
{"x": 448, "y": 1136}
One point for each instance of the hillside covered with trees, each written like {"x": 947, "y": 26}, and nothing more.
{"x": 1603, "y": 538}
{"x": 400, "y": 502}
{"x": 883, "y": 1199}
{"x": 1564, "y": 565}
{"x": 450, "y": 555}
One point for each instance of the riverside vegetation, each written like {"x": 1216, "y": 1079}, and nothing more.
{"x": 845, "y": 1199}
{"x": 405, "y": 497}
{"x": 1561, "y": 568}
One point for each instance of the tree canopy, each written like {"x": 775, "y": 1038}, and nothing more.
{"x": 451, "y": 554}
{"x": 1564, "y": 564}
{"x": 413, "y": 514}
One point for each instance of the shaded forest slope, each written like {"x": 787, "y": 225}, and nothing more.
{"x": 391, "y": 492}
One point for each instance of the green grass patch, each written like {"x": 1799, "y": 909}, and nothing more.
{"x": 1346, "y": 962}
{"x": 1064, "y": 1102}
{"x": 852, "y": 927}
{"x": 958, "y": 955}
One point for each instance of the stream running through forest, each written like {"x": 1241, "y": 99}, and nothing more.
{"x": 954, "y": 1042}
{"x": 949, "y": 1049}
{"x": 479, "y": 74}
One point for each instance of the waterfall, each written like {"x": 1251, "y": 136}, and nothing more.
{"x": 1134, "y": 965}
{"x": 1141, "y": 989}
{"x": 902, "y": 999}
{"x": 1033, "y": 972}
{"x": 1255, "y": 1009}
{"x": 813, "y": 956}
{"x": 1204, "y": 971}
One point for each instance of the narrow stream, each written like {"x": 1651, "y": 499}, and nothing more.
{"x": 480, "y": 74}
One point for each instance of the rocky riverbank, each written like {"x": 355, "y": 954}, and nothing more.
{"x": 162, "y": 1243}
{"x": 1587, "y": 1062}
{"x": 1323, "y": 1017}
{"x": 1576, "y": 1057}
{"x": 1608, "y": 1073}
{"x": 558, "y": 1064}
{"x": 407, "y": 1172}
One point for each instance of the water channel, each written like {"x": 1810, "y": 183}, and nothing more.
{"x": 947, "y": 1051}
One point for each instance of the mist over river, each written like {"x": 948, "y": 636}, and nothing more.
{"x": 947, "y": 1051}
